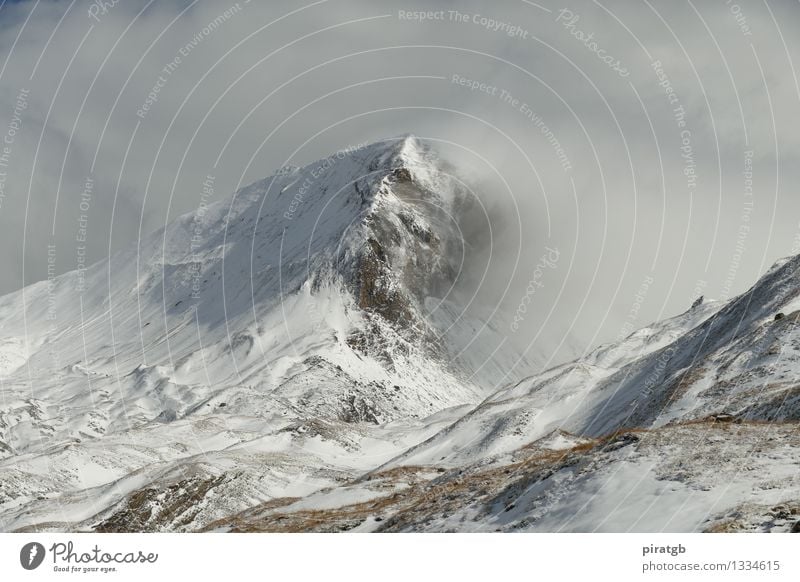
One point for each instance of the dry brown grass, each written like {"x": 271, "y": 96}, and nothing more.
{"x": 724, "y": 526}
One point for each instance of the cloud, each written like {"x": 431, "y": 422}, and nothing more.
{"x": 236, "y": 90}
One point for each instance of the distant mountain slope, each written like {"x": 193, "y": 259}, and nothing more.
{"x": 731, "y": 359}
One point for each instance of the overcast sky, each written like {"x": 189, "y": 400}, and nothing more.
{"x": 653, "y": 145}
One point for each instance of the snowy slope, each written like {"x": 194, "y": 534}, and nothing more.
{"x": 732, "y": 358}
{"x": 565, "y": 397}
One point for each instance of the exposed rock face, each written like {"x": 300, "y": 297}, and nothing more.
{"x": 151, "y": 509}
{"x": 407, "y": 238}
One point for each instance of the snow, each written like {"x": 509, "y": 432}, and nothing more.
{"x": 238, "y": 356}
{"x": 235, "y": 321}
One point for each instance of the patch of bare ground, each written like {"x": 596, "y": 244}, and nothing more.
{"x": 156, "y": 509}
{"x": 276, "y": 516}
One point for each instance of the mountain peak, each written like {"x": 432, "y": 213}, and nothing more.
{"x": 315, "y": 273}
{"x": 399, "y": 148}
{"x": 407, "y": 149}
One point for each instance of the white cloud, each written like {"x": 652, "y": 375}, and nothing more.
{"x": 619, "y": 235}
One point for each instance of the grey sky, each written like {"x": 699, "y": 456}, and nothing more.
{"x": 641, "y": 225}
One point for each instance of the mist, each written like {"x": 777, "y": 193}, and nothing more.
{"x": 625, "y": 159}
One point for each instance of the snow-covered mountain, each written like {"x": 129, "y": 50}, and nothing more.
{"x": 297, "y": 357}
{"x": 310, "y": 310}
